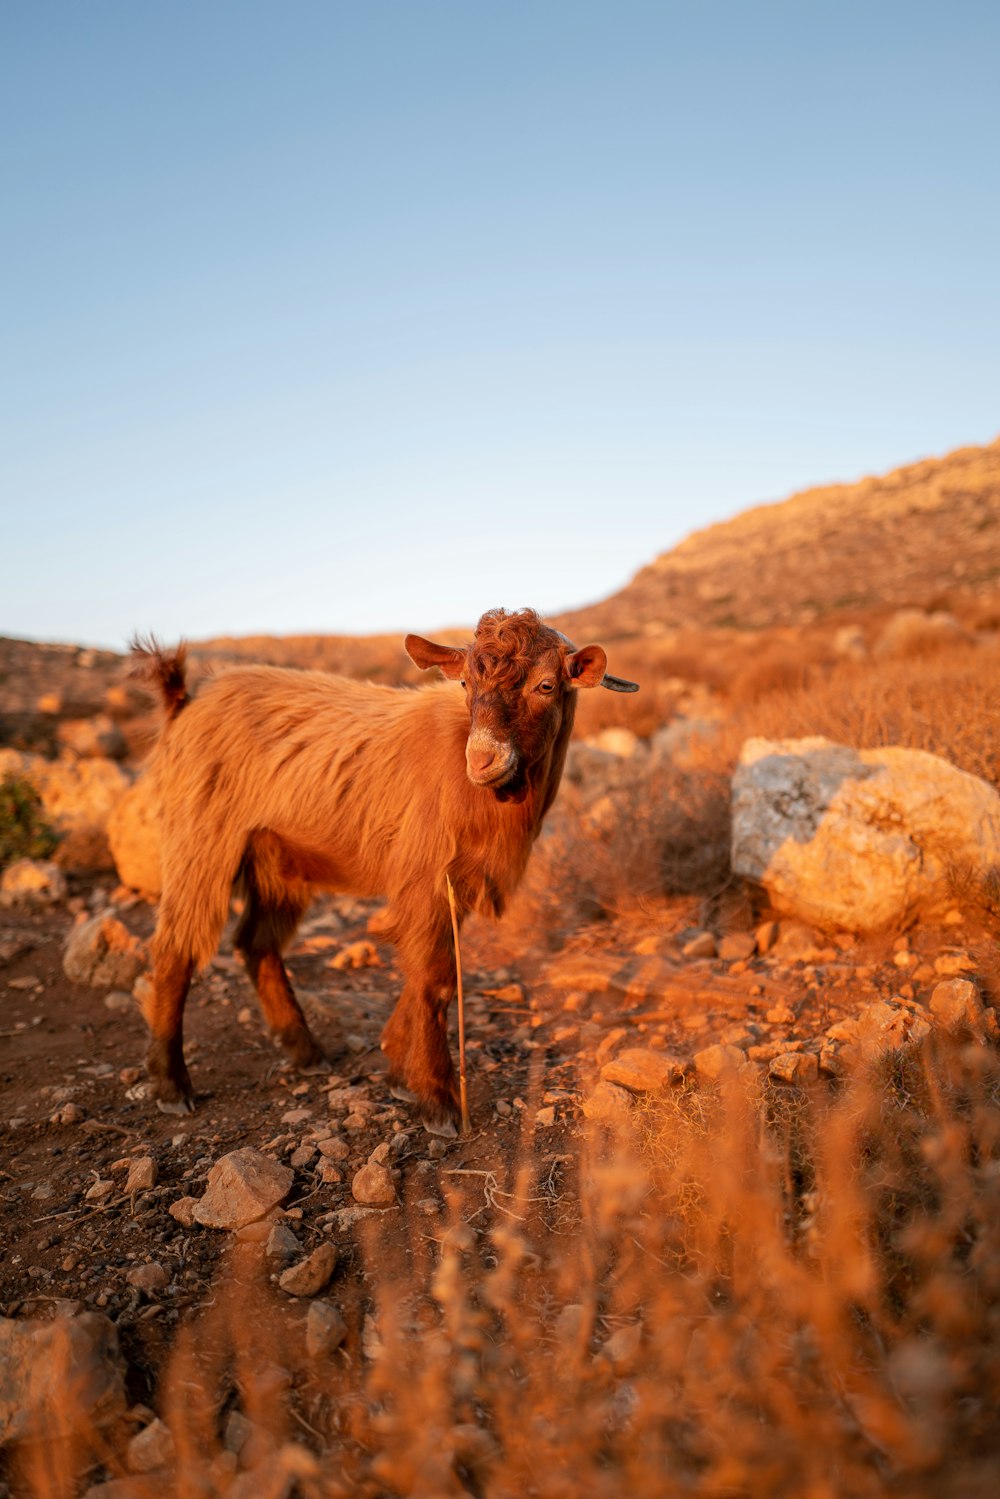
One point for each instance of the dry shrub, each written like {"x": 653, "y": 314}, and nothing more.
{"x": 947, "y": 703}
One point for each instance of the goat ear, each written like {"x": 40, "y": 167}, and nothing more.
{"x": 587, "y": 666}
{"x": 424, "y": 653}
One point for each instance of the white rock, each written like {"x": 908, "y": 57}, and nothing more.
{"x": 857, "y": 838}
{"x": 103, "y": 953}
{"x": 32, "y": 882}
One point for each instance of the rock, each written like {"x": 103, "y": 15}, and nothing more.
{"x": 282, "y": 1243}
{"x": 141, "y": 1174}
{"x": 242, "y": 1187}
{"x": 92, "y": 738}
{"x": 546, "y": 1116}
{"x": 70, "y": 1113}
{"x": 622, "y": 1347}
{"x": 102, "y": 953}
{"x": 78, "y": 797}
{"x": 373, "y": 1185}
{"x": 100, "y": 1189}
{"x": 857, "y": 838}
{"x": 32, "y": 882}
{"x": 621, "y": 743}
{"x": 799, "y": 1067}
{"x": 333, "y": 1148}
{"x": 948, "y": 964}
{"x": 151, "y": 1277}
{"x": 737, "y": 946}
{"x": 134, "y": 837}
{"x": 886, "y": 1025}
{"x": 41, "y": 1362}
{"x": 182, "y": 1211}
{"x": 701, "y": 945}
{"x": 325, "y": 1329}
{"x": 608, "y": 1104}
{"x": 719, "y": 1061}
{"x": 362, "y": 954}
{"x": 765, "y": 936}
{"x": 957, "y": 1005}
{"x": 641, "y": 1070}
{"x": 151, "y": 1448}
{"x": 310, "y": 1275}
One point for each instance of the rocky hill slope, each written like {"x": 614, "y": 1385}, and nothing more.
{"x": 927, "y": 535}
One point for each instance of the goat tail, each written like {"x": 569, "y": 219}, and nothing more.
{"x": 161, "y": 669}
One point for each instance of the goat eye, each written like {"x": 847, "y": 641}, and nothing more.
{"x": 462, "y": 682}
{"x": 546, "y": 686}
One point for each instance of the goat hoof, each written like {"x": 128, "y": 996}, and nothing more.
{"x": 179, "y": 1106}
{"x": 445, "y": 1129}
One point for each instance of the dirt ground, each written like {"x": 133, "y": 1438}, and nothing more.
{"x": 539, "y": 1026}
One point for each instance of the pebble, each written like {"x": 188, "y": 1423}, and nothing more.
{"x": 282, "y": 1243}
{"x": 99, "y": 1191}
{"x": 373, "y": 1185}
{"x": 642, "y": 1070}
{"x": 151, "y": 1448}
{"x": 118, "y": 999}
{"x": 956, "y": 1004}
{"x": 325, "y": 1329}
{"x": 333, "y": 1148}
{"x": 151, "y": 1277}
{"x": 737, "y": 946}
{"x": 701, "y": 945}
{"x": 310, "y": 1275}
{"x": 953, "y": 963}
{"x": 798, "y": 1067}
{"x": 141, "y": 1175}
{"x": 242, "y": 1187}
{"x": 182, "y": 1211}
{"x": 719, "y": 1060}
{"x": 608, "y": 1104}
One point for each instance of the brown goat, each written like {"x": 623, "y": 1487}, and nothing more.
{"x": 285, "y": 780}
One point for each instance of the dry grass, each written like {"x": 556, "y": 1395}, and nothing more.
{"x": 751, "y": 1293}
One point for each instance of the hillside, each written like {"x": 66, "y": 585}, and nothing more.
{"x": 927, "y": 535}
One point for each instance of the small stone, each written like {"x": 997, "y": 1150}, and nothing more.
{"x": 310, "y": 1275}
{"x": 799, "y": 1067}
{"x": 609, "y": 1043}
{"x": 130, "y": 1076}
{"x": 765, "y": 936}
{"x": 956, "y": 1005}
{"x": 151, "y": 1277}
{"x": 719, "y": 1061}
{"x": 151, "y": 1448}
{"x": 737, "y": 946}
{"x": 903, "y": 958}
{"x": 329, "y": 1174}
{"x": 102, "y": 952}
{"x": 701, "y": 945}
{"x": 622, "y": 1347}
{"x": 325, "y": 1329}
{"x": 99, "y": 1191}
{"x": 32, "y": 882}
{"x": 954, "y": 963}
{"x": 301, "y": 1156}
{"x": 545, "y": 1116}
{"x": 182, "y": 1211}
{"x": 373, "y": 1185}
{"x": 282, "y": 1243}
{"x": 642, "y": 1070}
{"x": 571, "y": 1323}
{"x": 334, "y": 1148}
{"x": 141, "y": 1174}
{"x": 119, "y": 999}
{"x": 70, "y": 1113}
{"x": 780, "y": 1014}
{"x": 953, "y": 918}
{"x": 608, "y": 1104}
{"x": 242, "y": 1187}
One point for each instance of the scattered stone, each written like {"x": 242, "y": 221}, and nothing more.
{"x": 799, "y": 1067}
{"x": 363, "y": 954}
{"x": 325, "y": 1329}
{"x": 951, "y": 963}
{"x": 545, "y": 1116}
{"x": 622, "y": 1347}
{"x": 32, "y": 882}
{"x": 102, "y": 953}
{"x": 310, "y": 1275}
{"x": 282, "y": 1243}
{"x": 333, "y": 1148}
{"x": 151, "y": 1448}
{"x": 99, "y": 1190}
{"x": 41, "y": 1361}
{"x": 118, "y": 999}
{"x": 701, "y": 945}
{"x": 719, "y": 1060}
{"x": 373, "y": 1185}
{"x": 857, "y": 838}
{"x": 70, "y": 1113}
{"x": 182, "y": 1211}
{"x": 142, "y": 1174}
{"x": 242, "y": 1187}
{"x": 957, "y": 1005}
{"x": 608, "y": 1104}
{"x": 780, "y": 1014}
{"x": 765, "y": 936}
{"x": 149, "y": 1278}
{"x": 609, "y": 1043}
{"x": 737, "y": 946}
{"x": 301, "y": 1156}
{"x": 642, "y": 1070}
{"x": 795, "y": 943}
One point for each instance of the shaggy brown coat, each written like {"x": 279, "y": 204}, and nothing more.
{"x": 286, "y": 780}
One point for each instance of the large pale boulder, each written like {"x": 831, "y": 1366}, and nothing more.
{"x": 857, "y": 838}
{"x": 77, "y": 797}
{"x": 134, "y": 835}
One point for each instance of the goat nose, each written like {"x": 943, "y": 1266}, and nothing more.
{"x": 480, "y": 759}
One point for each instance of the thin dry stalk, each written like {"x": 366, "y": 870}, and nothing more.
{"x": 463, "y": 1087}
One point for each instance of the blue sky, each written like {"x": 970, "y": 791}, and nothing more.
{"x": 351, "y": 317}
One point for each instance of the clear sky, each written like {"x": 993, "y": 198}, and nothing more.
{"x": 369, "y": 316}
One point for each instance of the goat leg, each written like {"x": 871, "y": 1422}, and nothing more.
{"x": 165, "y": 1064}
{"x": 415, "y": 1040}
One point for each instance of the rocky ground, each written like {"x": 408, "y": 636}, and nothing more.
{"x": 103, "y": 1203}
